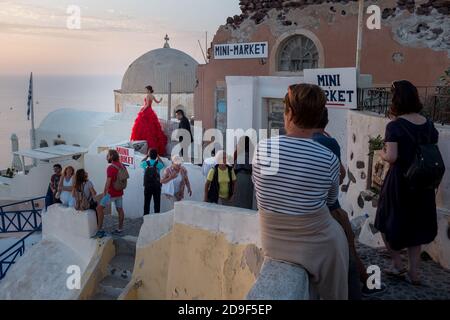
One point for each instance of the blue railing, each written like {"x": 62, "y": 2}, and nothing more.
{"x": 9, "y": 256}
{"x": 14, "y": 221}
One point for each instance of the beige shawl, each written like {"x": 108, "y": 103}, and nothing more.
{"x": 316, "y": 242}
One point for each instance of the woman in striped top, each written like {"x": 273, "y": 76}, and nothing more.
{"x": 295, "y": 179}
{"x": 307, "y": 177}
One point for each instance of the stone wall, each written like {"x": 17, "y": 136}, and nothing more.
{"x": 414, "y": 23}
{"x": 357, "y": 200}
{"x": 42, "y": 272}
{"x": 199, "y": 251}
{"x": 257, "y": 10}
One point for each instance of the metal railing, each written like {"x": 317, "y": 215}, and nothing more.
{"x": 28, "y": 220}
{"x": 15, "y": 221}
{"x": 9, "y": 256}
{"x": 436, "y": 101}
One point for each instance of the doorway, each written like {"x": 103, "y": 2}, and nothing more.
{"x": 275, "y": 116}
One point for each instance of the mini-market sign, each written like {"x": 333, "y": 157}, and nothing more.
{"x": 251, "y": 50}
{"x": 339, "y": 85}
{"x": 127, "y": 157}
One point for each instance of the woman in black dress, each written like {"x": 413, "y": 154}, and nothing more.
{"x": 407, "y": 218}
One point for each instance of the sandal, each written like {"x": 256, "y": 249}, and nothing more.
{"x": 394, "y": 272}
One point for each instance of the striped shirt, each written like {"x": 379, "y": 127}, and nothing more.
{"x": 295, "y": 176}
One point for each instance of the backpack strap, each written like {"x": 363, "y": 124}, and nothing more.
{"x": 408, "y": 133}
{"x": 416, "y": 140}
{"x": 117, "y": 167}
{"x": 230, "y": 184}
{"x": 430, "y": 130}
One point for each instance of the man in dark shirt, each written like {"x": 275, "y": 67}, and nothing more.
{"x": 50, "y": 199}
{"x": 184, "y": 124}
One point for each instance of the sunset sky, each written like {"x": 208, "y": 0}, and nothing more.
{"x": 34, "y": 34}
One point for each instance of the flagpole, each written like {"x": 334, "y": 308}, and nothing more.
{"x": 360, "y": 35}
{"x": 33, "y": 132}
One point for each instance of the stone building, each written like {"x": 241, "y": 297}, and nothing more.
{"x": 169, "y": 71}
{"x": 413, "y": 43}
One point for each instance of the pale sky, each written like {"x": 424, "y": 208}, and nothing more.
{"x": 34, "y": 34}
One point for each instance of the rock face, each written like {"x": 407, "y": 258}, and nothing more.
{"x": 257, "y": 10}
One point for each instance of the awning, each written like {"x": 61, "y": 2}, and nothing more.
{"x": 52, "y": 153}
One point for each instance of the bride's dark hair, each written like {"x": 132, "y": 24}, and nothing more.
{"x": 149, "y": 88}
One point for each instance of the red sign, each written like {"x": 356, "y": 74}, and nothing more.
{"x": 126, "y": 156}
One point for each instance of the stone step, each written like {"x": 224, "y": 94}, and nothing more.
{"x": 121, "y": 266}
{"x": 104, "y": 296}
{"x": 110, "y": 290}
{"x": 125, "y": 245}
{"x": 114, "y": 282}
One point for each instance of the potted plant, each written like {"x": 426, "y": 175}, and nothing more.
{"x": 377, "y": 167}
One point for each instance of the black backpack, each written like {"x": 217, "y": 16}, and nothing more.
{"x": 151, "y": 176}
{"x": 427, "y": 169}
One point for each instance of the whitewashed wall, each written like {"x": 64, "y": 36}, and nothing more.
{"x": 96, "y": 166}
{"x": 247, "y": 98}
{"x": 362, "y": 126}
{"x": 35, "y": 183}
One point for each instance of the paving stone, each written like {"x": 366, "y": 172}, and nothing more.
{"x": 436, "y": 283}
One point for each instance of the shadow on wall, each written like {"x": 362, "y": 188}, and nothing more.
{"x": 197, "y": 251}
{"x": 204, "y": 251}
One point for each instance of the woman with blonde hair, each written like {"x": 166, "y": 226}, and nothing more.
{"x": 175, "y": 179}
{"x": 65, "y": 187}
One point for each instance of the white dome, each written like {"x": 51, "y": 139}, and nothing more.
{"x": 71, "y": 120}
{"x": 159, "y": 67}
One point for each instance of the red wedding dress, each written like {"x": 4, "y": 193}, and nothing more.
{"x": 148, "y": 128}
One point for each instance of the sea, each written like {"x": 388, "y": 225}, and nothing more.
{"x": 51, "y": 92}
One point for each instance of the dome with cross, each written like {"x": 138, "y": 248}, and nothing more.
{"x": 160, "y": 67}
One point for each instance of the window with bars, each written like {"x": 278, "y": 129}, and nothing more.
{"x": 298, "y": 53}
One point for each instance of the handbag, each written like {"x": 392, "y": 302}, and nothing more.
{"x": 168, "y": 188}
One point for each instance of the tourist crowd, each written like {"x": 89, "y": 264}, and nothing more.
{"x": 302, "y": 221}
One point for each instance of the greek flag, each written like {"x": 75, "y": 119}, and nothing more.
{"x": 30, "y": 96}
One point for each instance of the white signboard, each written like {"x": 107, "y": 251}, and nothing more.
{"x": 127, "y": 157}
{"x": 339, "y": 85}
{"x": 252, "y": 50}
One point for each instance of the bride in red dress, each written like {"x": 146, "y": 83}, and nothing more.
{"x": 147, "y": 126}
